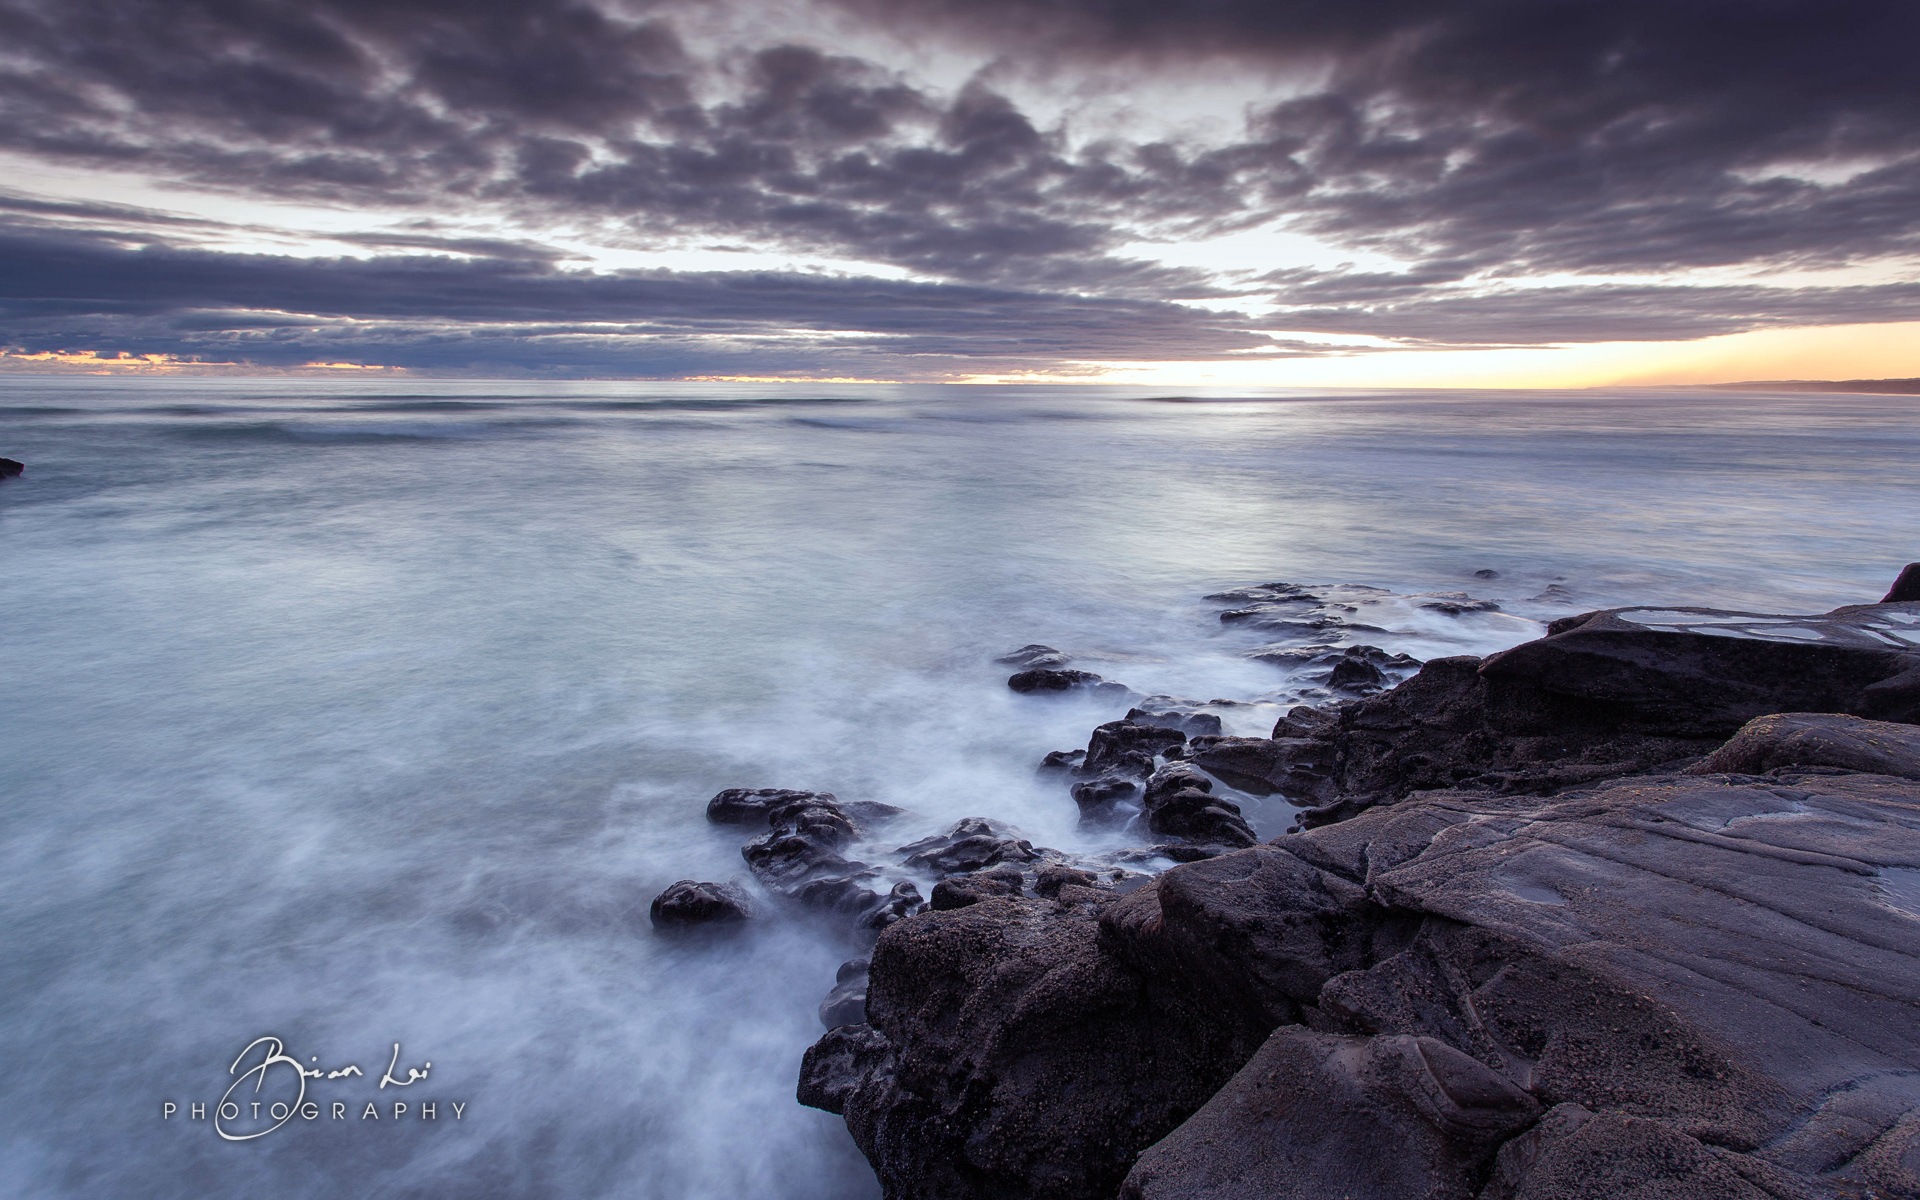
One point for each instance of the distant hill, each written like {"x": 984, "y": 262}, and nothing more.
{"x": 1902, "y": 387}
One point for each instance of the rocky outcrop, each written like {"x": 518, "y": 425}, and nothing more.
{"x": 1008, "y": 1053}
{"x": 1632, "y": 910}
{"x": 12, "y": 468}
{"x": 1713, "y": 980}
{"x": 1604, "y": 695}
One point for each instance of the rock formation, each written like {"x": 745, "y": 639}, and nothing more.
{"x": 1632, "y": 910}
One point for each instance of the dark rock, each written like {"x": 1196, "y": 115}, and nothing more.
{"x": 1302, "y": 721}
{"x": 1179, "y": 803}
{"x": 1355, "y": 675}
{"x": 1701, "y": 672}
{"x": 1818, "y": 740}
{"x": 1316, "y": 1115}
{"x": 838, "y": 1063}
{"x": 1360, "y": 667}
{"x": 901, "y": 902}
{"x": 1048, "y": 679}
{"x": 971, "y": 844}
{"x": 1049, "y": 879}
{"x": 958, "y": 891}
{"x": 1034, "y": 655}
{"x": 1258, "y": 933}
{"x": 751, "y": 806}
{"x": 1572, "y": 1154}
{"x": 1266, "y": 593}
{"x": 1127, "y": 748}
{"x": 846, "y": 1004}
{"x": 842, "y": 888}
{"x": 1486, "y": 573}
{"x": 1175, "y": 777}
{"x": 11, "y": 468}
{"x": 1101, "y": 799}
{"x": 688, "y": 904}
{"x": 1905, "y": 589}
{"x": 1062, "y": 760}
{"x": 1009, "y": 1054}
{"x": 1712, "y": 982}
{"x": 1605, "y": 694}
{"x": 1302, "y": 769}
{"x": 799, "y": 858}
{"x": 1283, "y": 618}
{"x": 870, "y": 813}
{"x": 1561, "y": 625}
{"x": 1200, "y": 817}
{"x": 1455, "y": 604}
{"x": 1168, "y": 713}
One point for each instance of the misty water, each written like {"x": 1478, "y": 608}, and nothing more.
{"x": 363, "y": 713}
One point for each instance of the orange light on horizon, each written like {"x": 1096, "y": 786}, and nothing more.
{"x": 98, "y": 362}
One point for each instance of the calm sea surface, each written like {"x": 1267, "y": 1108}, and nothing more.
{"x": 370, "y": 714}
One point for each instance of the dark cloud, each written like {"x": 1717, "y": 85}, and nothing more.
{"x": 66, "y": 292}
{"x": 1482, "y": 143}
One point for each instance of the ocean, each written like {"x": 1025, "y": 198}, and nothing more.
{"x": 369, "y": 716}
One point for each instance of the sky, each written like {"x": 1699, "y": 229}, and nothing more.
{"x": 1523, "y": 193}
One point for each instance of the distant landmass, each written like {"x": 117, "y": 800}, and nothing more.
{"x": 1904, "y": 387}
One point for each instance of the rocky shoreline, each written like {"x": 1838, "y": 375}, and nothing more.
{"x": 1632, "y": 909}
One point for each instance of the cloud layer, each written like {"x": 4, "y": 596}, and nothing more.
{"x": 951, "y": 187}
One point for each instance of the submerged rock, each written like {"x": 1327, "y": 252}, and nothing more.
{"x": 1034, "y": 655}
{"x": 1106, "y": 800}
{"x": 969, "y": 845}
{"x": 687, "y": 904}
{"x": 846, "y": 1004}
{"x": 1183, "y": 715}
{"x": 1062, "y": 761}
{"x": 1047, "y": 679}
{"x": 1355, "y": 670}
{"x": 1455, "y": 604}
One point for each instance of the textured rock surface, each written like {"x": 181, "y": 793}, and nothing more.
{"x": 1818, "y": 740}
{"x": 1604, "y": 695}
{"x": 1906, "y": 588}
{"x": 1710, "y": 981}
{"x": 1009, "y": 1054}
{"x": 1051, "y": 679}
{"x": 1629, "y": 911}
{"x": 689, "y": 903}
{"x": 751, "y": 806}
{"x": 1316, "y": 1115}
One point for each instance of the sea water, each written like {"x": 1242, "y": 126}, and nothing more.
{"x": 370, "y": 715}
